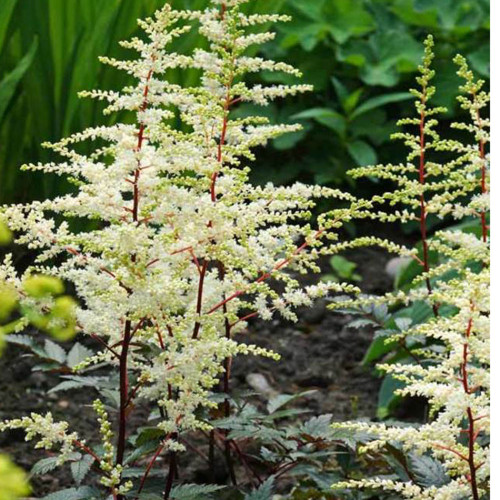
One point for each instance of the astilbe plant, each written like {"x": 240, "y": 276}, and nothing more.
{"x": 447, "y": 457}
{"x": 186, "y": 250}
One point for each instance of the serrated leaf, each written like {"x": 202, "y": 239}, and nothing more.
{"x": 428, "y": 472}
{"x": 81, "y": 468}
{"x": 141, "y": 451}
{"x": 74, "y": 382}
{"x": 360, "y": 323}
{"x": 318, "y": 427}
{"x": 281, "y": 400}
{"x": 82, "y": 493}
{"x": 112, "y": 397}
{"x": 77, "y": 354}
{"x": 264, "y": 492}
{"x": 134, "y": 472}
{"x": 148, "y": 434}
{"x": 55, "y": 351}
{"x": 44, "y": 465}
{"x": 22, "y": 340}
{"x": 403, "y": 323}
{"x": 194, "y": 491}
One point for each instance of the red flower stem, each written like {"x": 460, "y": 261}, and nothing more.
{"x": 472, "y": 432}
{"x": 484, "y": 189}
{"x": 226, "y": 388}
{"x": 199, "y": 302}
{"x": 106, "y": 346}
{"x": 87, "y": 450}
{"x": 123, "y": 394}
{"x": 172, "y": 470}
{"x": 127, "y": 334}
{"x": 423, "y": 204}
{"x": 150, "y": 465}
{"x": 267, "y": 275}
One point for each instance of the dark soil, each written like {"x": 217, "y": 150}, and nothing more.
{"x": 319, "y": 352}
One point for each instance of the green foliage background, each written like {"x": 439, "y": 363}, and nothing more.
{"x": 361, "y": 56}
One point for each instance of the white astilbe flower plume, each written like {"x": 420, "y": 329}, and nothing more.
{"x": 186, "y": 249}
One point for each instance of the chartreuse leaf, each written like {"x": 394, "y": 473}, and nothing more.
{"x": 13, "y": 480}
{"x": 5, "y": 234}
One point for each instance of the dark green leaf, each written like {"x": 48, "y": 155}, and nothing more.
{"x": 327, "y": 117}
{"x": 264, "y": 492}
{"x": 44, "y": 465}
{"x": 82, "y": 493}
{"x": 382, "y": 100}
{"x": 77, "y": 354}
{"x": 194, "y": 491}
{"x": 55, "y": 351}
{"x": 81, "y": 468}
{"x": 362, "y": 153}
{"x": 386, "y": 397}
{"x": 428, "y": 472}
{"x": 9, "y": 84}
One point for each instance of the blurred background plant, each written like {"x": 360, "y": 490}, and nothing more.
{"x": 58, "y": 322}
{"x": 359, "y": 54}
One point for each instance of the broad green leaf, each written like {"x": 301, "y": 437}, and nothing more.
{"x": 9, "y": 84}
{"x": 5, "y": 16}
{"x": 362, "y": 153}
{"x": 377, "y": 102}
{"x": 480, "y": 60}
{"x": 145, "y": 449}
{"x": 352, "y": 100}
{"x": 377, "y": 349}
{"x": 348, "y": 18}
{"x": 327, "y": 117}
{"x": 148, "y": 434}
{"x": 344, "y": 268}
{"x": 386, "y": 397}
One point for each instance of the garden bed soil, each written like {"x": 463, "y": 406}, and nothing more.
{"x": 319, "y": 352}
